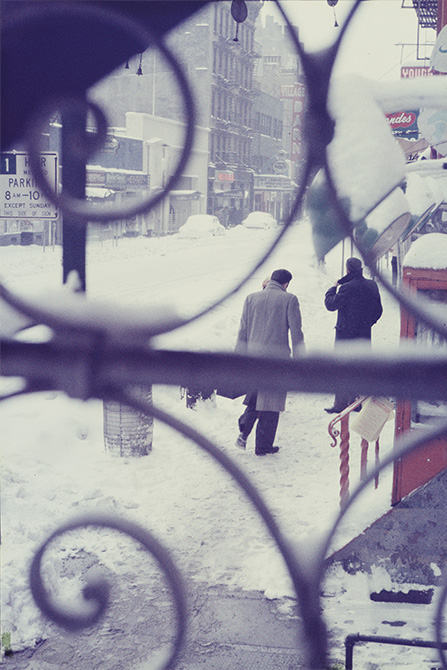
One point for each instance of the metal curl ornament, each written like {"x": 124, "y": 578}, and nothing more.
{"x": 306, "y": 589}
{"x": 97, "y": 591}
{"x": 306, "y": 579}
{"x": 81, "y": 145}
{"x": 312, "y": 156}
{"x": 80, "y": 209}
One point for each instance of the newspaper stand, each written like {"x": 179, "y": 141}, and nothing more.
{"x": 417, "y": 468}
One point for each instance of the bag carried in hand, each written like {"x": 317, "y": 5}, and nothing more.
{"x": 230, "y": 392}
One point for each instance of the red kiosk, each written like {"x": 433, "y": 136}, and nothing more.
{"x": 424, "y": 273}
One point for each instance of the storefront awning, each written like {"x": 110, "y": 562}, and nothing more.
{"x": 229, "y": 194}
{"x": 185, "y": 194}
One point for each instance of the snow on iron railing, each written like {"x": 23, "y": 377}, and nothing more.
{"x": 89, "y": 358}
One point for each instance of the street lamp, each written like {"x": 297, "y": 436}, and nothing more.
{"x": 332, "y": 4}
{"x": 239, "y": 13}
{"x": 140, "y": 66}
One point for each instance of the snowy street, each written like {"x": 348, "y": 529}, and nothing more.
{"x": 55, "y": 466}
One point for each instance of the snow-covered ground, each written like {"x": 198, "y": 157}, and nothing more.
{"x": 55, "y": 466}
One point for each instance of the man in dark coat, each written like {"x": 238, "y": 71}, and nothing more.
{"x": 268, "y": 316}
{"x": 359, "y": 307}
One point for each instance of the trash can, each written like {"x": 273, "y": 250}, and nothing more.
{"x": 128, "y": 433}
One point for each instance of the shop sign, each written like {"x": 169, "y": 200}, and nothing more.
{"x": 225, "y": 176}
{"x": 111, "y": 145}
{"x": 415, "y": 72}
{"x": 280, "y": 166}
{"x": 96, "y": 177}
{"x": 297, "y": 90}
{"x": 276, "y": 183}
{"x": 403, "y": 124}
{"x": 116, "y": 180}
{"x": 178, "y": 195}
{"x": 235, "y": 194}
{"x": 139, "y": 181}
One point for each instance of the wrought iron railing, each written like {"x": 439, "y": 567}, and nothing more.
{"x": 93, "y": 363}
{"x": 343, "y": 433}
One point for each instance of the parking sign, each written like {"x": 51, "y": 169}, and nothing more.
{"x": 20, "y": 197}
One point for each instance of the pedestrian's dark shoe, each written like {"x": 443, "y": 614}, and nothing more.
{"x": 334, "y": 410}
{"x": 263, "y": 452}
{"x": 241, "y": 441}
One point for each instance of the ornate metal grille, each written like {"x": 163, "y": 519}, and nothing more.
{"x": 85, "y": 359}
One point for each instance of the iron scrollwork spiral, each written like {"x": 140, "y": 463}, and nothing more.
{"x": 97, "y": 591}
{"x": 85, "y": 145}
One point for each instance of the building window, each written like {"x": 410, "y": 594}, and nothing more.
{"x": 216, "y": 19}
{"x": 242, "y": 35}
{"x": 277, "y": 128}
{"x": 212, "y": 147}
{"x": 265, "y": 125}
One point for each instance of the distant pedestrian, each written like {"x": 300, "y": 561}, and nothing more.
{"x": 357, "y": 301}
{"x": 268, "y": 316}
{"x": 265, "y": 282}
{"x": 234, "y": 217}
{"x": 222, "y": 215}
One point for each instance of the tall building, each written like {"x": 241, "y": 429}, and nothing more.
{"x": 279, "y": 73}
{"x": 220, "y": 72}
{"x": 230, "y": 190}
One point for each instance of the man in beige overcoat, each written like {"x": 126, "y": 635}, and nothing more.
{"x": 268, "y": 316}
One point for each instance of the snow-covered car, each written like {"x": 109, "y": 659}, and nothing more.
{"x": 259, "y": 220}
{"x": 201, "y": 225}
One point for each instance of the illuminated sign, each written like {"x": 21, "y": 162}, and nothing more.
{"x": 225, "y": 176}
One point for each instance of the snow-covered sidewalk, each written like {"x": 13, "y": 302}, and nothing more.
{"x": 55, "y": 466}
